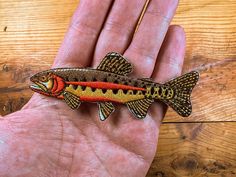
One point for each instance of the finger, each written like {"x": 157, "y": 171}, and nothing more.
{"x": 146, "y": 43}
{"x": 171, "y": 56}
{"x": 169, "y": 63}
{"x": 119, "y": 28}
{"x": 78, "y": 45}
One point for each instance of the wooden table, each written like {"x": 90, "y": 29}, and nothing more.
{"x": 202, "y": 145}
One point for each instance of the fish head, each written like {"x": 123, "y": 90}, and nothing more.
{"x": 47, "y": 83}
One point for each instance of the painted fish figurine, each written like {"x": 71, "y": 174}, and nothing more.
{"x": 109, "y": 83}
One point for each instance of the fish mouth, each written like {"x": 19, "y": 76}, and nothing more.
{"x": 37, "y": 86}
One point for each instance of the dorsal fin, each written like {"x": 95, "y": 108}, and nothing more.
{"x": 115, "y": 63}
{"x": 139, "y": 107}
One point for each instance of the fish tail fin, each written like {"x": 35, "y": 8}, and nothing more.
{"x": 182, "y": 87}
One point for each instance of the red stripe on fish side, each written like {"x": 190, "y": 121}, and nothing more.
{"x": 106, "y": 85}
{"x": 96, "y": 99}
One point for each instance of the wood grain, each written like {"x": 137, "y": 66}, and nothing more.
{"x": 30, "y": 35}
{"x": 201, "y": 145}
{"x": 195, "y": 149}
{"x": 210, "y": 27}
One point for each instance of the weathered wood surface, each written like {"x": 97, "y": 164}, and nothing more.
{"x": 210, "y": 26}
{"x": 196, "y": 150}
{"x": 31, "y": 33}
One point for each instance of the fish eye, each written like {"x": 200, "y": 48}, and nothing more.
{"x": 43, "y": 78}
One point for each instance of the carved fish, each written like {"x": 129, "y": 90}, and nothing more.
{"x": 109, "y": 83}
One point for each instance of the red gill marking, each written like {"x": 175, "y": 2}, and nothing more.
{"x": 54, "y": 88}
{"x": 105, "y": 85}
{"x": 58, "y": 84}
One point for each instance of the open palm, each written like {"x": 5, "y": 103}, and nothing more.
{"x": 47, "y": 138}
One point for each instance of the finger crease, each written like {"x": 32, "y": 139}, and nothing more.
{"x": 85, "y": 29}
{"x": 118, "y": 27}
{"x": 159, "y": 14}
{"x": 172, "y": 62}
{"x": 143, "y": 52}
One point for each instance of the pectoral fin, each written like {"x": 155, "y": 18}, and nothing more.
{"x": 139, "y": 107}
{"x": 105, "y": 109}
{"x": 72, "y": 100}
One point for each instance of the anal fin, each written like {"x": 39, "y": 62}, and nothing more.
{"x": 72, "y": 100}
{"x": 139, "y": 107}
{"x": 105, "y": 109}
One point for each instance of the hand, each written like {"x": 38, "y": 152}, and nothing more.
{"x": 47, "y": 138}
